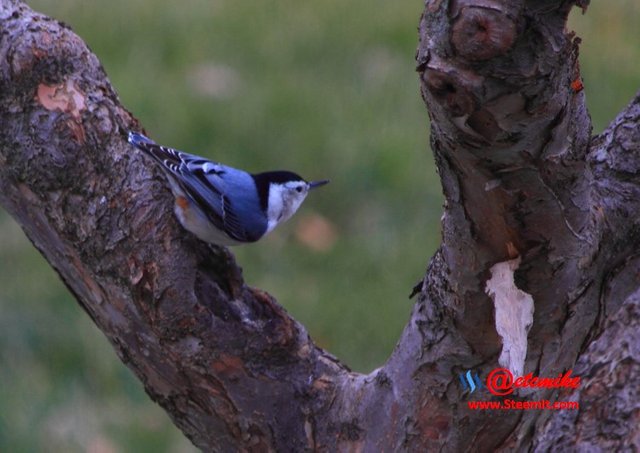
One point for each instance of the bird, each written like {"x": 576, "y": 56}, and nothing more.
{"x": 223, "y": 205}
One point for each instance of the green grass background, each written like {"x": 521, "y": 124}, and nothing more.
{"x": 327, "y": 89}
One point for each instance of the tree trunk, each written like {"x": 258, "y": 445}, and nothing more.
{"x": 525, "y": 184}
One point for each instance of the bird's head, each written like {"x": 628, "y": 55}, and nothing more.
{"x": 286, "y": 192}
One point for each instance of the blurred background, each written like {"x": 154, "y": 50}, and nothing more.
{"x": 327, "y": 89}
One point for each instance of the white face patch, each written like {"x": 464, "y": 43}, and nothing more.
{"x": 284, "y": 201}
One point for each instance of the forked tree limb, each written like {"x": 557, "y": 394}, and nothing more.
{"x": 521, "y": 176}
{"x": 610, "y": 395}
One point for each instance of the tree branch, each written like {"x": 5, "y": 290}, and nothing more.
{"x": 228, "y": 364}
{"x": 610, "y": 366}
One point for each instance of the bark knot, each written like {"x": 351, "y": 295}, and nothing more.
{"x": 480, "y": 33}
{"x": 446, "y": 89}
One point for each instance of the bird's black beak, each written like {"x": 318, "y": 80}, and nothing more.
{"x": 314, "y": 184}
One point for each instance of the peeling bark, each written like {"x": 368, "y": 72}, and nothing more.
{"x": 522, "y": 177}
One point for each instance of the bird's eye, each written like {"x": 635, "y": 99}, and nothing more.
{"x": 299, "y": 189}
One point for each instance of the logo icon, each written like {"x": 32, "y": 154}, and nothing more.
{"x": 500, "y": 382}
{"x": 470, "y": 381}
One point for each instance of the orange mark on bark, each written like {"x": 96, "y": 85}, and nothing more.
{"x": 182, "y": 203}
{"x": 229, "y": 366}
{"x": 67, "y": 98}
{"x": 577, "y": 85}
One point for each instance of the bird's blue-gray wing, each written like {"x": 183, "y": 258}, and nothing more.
{"x": 206, "y": 185}
{"x": 202, "y": 181}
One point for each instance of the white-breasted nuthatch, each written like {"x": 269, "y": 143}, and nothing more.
{"x": 224, "y": 205}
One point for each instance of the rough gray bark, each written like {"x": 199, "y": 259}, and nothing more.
{"x": 521, "y": 175}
